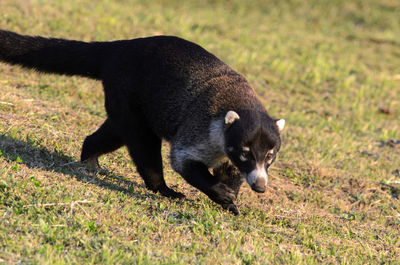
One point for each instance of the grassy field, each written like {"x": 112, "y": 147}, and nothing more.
{"x": 330, "y": 68}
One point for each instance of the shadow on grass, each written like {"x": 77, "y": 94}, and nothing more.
{"x": 29, "y": 154}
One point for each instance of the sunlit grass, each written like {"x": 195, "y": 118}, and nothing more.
{"x": 330, "y": 68}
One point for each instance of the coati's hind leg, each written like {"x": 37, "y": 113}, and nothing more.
{"x": 102, "y": 141}
{"x": 145, "y": 149}
{"x": 230, "y": 176}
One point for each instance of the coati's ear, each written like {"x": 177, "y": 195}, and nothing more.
{"x": 230, "y": 117}
{"x": 280, "y": 124}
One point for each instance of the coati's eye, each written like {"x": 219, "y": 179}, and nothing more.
{"x": 269, "y": 157}
{"x": 245, "y": 155}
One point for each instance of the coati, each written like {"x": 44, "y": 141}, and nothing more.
{"x": 164, "y": 87}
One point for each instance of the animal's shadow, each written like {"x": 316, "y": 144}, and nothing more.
{"x": 29, "y": 154}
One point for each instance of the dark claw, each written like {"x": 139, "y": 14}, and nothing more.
{"x": 233, "y": 209}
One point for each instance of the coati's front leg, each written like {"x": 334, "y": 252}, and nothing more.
{"x": 230, "y": 175}
{"x": 197, "y": 175}
{"x": 102, "y": 141}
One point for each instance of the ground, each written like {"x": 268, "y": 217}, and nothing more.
{"x": 329, "y": 68}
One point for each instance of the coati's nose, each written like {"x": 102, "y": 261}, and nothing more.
{"x": 259, "y": 185}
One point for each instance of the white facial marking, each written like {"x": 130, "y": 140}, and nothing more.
{"x": 258, "y": 172}
{"x": 271, "y": 151}
{"x": 281, "y": 124}
{"x": 246, "y": 149}
{"x": 231, "y": 116}
{"x": 242, "y": 158}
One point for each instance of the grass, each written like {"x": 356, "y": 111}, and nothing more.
{"x": 330, "y": 68}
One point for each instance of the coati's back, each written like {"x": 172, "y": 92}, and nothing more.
{"x": 168, "y": 77}
{"x": 176, "y": 78}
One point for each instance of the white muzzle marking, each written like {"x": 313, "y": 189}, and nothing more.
{"x": 258, "y": 173}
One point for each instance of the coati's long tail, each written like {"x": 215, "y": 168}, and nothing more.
{"x": 53, "y": 55}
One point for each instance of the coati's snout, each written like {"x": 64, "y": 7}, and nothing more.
{"x": 252, "y": 141}
{"x": 259, "y": 185}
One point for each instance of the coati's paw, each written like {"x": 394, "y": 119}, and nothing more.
{"x": 222, "y": 194}
{"x": 170, "y": 193}
{"x": 230, "y": 175}
{"x": 92, "y": 163}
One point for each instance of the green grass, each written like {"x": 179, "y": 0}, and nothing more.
{"x": 330, "y": 68}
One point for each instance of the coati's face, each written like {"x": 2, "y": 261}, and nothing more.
{"x": 252, "y": 142}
